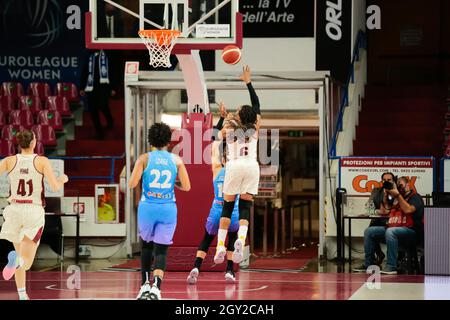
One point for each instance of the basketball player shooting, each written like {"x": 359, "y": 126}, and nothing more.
{"x": 242, "y": 169}
{"x": 25, "y": 215}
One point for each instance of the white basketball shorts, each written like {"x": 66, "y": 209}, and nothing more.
{"x": 23, "y": 220}
{"x": 241, "y": 176}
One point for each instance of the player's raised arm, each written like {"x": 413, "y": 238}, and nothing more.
{"x": 54, "y": 183}
{"x": 185, "y": 184}
{"x": 138, "y": 169}
{"x": 246, "y": 77}
{"x": 3, "y": 166}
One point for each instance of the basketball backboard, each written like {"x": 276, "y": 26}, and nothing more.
{"x": 204, "y": 24}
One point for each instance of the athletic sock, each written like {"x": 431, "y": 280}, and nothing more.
{"x": 229, "y": 265}
{"x": 158, "y": 282}
{"x": 242, "y": 233}
{"x": 221, "y": 236}
{"x": 22, "y": 293}
{"x": 198, "y": 262}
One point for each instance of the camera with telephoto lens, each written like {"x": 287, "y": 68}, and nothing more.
{"x": 388, "y": 185}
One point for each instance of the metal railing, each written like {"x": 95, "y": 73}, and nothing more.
{"x": 360, "y": 43}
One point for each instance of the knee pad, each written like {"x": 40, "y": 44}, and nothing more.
{"x": 160, "y": 253}
{"x": 206, "y": 242}
{"x": 232, "y": 237}
{"x": 227, "y": 210}
{"x": 244, "y": 209}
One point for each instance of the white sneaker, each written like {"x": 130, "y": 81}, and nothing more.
{"x": 192, "y": 277}
{"x": 220, "y": 254}
{"x": 229, "y": 276}
{"x": 155, "y": 293}
{"x": 238, "y": 254}
{"x": 144, "y": 292}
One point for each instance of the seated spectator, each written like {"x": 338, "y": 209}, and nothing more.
{"x": 404, "y": 227}
{"x": 376, "y": 197}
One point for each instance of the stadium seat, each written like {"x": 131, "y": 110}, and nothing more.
{"x": 30, "y": 103}
{"x": 12, "y": 89}
{"x": 2, "y": 119}
{"x": 9, "y": 132}
{"x": 39, "y": 149}
{"x": 7, "y": 148}
{"x": 60, "y": 104}
{"x": 6, "y": 104}
{"x": 45, "y": 134}
{"x": 68, "y": 90}
{"x": 52, "y": 118}
{"x": 21, "y": 117}
{"x": 40, "y": 90}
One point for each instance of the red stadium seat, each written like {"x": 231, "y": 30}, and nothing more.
{"x": 52, "y": 118}
{"x": 40, "y": 90}
{"x": 6, "y": 104}
{"x": 45, "y": 134}
{"x": 7, "y": 148}
{"x": 39, "y": 149}
{"x": 21, "y": 117}
{"x": 60, "y": 104}
{"x": 2, "y": 119}
{"x": 12, "y": 89}
{"x": 68, "y": 90}
{"x": 30, "y": 103}
{"x": 9, "y": 132}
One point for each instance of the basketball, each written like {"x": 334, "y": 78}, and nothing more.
{"x": 231, "y": 54}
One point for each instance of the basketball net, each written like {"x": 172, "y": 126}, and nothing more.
{"x": 159, "y": 44}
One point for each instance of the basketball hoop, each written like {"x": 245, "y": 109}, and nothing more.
{"x": 159, "y": 44}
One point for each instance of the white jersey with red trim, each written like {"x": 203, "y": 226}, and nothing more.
{"x": 26, "y": 182}
{"x": 245, "y": 148}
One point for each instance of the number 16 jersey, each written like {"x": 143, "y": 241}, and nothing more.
{"x": 158, "y": 179}
{"x": 26, "y": 182}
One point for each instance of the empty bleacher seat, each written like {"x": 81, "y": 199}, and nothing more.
{"x": 68, "y": 90}
{"x": 9, "y": 132}
{"x": 45, "y": 134}
{"x": 2, "y": 119}
{"x": 40, "y": 90}
{"x": 60, "y": 104}
{"x": 12, "y": 89}
{"x": 7, "y": 148}
{"x": 6, "y": 104}
{"x": 39, "y": 149}
{"x": 52, "y": 118}
{"x": 21, "y": 117}
{"x": 30, "y": 103}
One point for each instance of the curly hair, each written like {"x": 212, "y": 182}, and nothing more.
{"x": 24, "y": 138}
{"x": 159, "y": 135}
{"x": 248, "y": 117}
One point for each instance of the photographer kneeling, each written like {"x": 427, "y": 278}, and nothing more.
{"x": 405, "y": 209}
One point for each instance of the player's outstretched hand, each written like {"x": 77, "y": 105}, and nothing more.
{"x": 222, "y": 110}
{"x": 246, "y": 74}
{"x": 63, "y": 178}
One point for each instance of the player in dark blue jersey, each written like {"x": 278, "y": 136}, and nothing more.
{"x": 157, "y": 210}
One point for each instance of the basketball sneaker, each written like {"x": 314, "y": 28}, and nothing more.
{"x": 14, "y": 262}
{"x": 229, "y": 276}
{"x": 238, "y": 254}
{"x": 192, "y": 277}
{"x": 144, "y": 293}
{"x": 220, "y": 254}
{"x": 155, "y": 293}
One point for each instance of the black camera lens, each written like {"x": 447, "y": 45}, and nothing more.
{"x": 388, "y": 185}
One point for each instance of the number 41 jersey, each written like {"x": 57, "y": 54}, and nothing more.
{"x": 26, "y": 183}
{"x": 158, "y": 179}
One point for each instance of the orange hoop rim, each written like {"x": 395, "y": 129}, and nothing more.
{"x": 158, "y": 32}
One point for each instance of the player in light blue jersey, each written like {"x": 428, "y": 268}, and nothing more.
{"x": 157, "y": 210}
{"x": 213, "y": 220}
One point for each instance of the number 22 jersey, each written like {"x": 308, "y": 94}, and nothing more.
{"x": 158, "y": 179}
